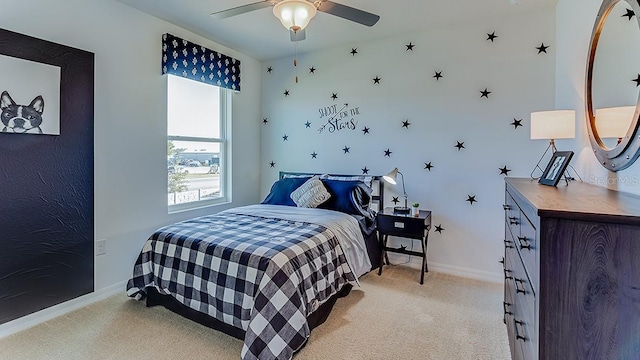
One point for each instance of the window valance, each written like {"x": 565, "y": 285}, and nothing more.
{"x": 184, "y": 58}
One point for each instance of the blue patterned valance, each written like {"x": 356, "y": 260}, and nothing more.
{"x": 183, "y": 58}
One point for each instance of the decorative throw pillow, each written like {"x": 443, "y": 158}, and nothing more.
{"x": 310, "y": 194}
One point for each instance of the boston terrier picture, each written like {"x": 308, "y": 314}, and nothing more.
{"x": 21, "y": 119}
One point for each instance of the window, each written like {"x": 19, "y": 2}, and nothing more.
{"x": 198, "y": 162}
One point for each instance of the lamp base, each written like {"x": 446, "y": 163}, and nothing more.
{"x": 401, "y": 210}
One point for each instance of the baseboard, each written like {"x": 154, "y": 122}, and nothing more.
{"x": 416, "y": 262}
{"x": 41, "y": 316}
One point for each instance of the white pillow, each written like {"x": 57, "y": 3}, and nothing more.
{"x": 310, "y": 194}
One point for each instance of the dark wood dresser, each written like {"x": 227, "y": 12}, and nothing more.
{"x": 572, "y": 271}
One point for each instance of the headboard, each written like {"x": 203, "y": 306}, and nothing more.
{"x": 377, "y": 198}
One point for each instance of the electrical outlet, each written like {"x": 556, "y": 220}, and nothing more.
{"x": 101, "y": 247}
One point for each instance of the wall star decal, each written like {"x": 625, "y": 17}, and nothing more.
{"x": 307, "y": 124}
{"x": 485, "y": 93}
{"x": 314, "y": 155}
{"x": 471, "y": 199}
{"x": 354, "y": 51}
{"x": 286, "y": 93}
{"x": 346, "y": 149}
{"x": 388, "y": 152}
{"x": 438, "y": 75}
{"x": 460, "y": 145}
{"x": 630, "y": 14}
{"x": 334, "y": 96}
{"x": 272, "y": 164}
{"x": 395, "y": 200}
{"x": 312, "y": 70}
{"x": 265, "y": 120}
{"x": 269, "y": 69}
{"x": 428, "y": 166}
{"x": 403, "y": 247}
{"x": 376, "y": 80}
{"x": 285, "y": 137}
{"x": 410, "y": 46}
{"x": 365, "y": 171}
{"x": 406, "y": 124}
{"x": 637, "y": 80}
{"x": 439, "y": 228}
{"x": 516, "y": 123}
{"x": 504, "y": 171}
{"x": 542, "y": 48}
{"x": 366, "y": 129}
{"x": 491, "y": 36}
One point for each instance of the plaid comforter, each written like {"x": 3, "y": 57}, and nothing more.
{"x": 263, "y": 275}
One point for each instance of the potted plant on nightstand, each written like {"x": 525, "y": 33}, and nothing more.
{"x": 414, "y": 209}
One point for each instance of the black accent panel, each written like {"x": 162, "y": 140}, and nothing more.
{"x": 46, "y": 191}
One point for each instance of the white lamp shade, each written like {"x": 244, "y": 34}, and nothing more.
{"x": 554, "y": 124}
{"x": 614, "y": 122}
{"x": 294, "y": 14}
{"x": 391, "y": 176}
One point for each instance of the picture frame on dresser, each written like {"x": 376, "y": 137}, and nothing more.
{"x": 556, "y": 167}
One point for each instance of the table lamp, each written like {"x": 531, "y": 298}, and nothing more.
{"x": 391, "y": 179}
{"x": 551, "y": 125}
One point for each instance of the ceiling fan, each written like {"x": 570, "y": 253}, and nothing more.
{"x": 296, "y": 14}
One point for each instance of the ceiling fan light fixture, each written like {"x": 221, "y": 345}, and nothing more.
{"x": 294, "y": 14}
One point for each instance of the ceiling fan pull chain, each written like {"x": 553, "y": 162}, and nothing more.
{"x": 295, "y": 60}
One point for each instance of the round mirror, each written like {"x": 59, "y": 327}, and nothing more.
{"x": 613, "y": 84}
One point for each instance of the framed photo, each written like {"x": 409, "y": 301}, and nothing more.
{"x": 556, "y": 168}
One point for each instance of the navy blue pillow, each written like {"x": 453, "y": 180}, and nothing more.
{"x": 351, "y": 197}
{"x": 281, "y": 190}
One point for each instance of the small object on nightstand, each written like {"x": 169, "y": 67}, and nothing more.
{"x": 407, "y": 226}
{"x": 415, "y": 211}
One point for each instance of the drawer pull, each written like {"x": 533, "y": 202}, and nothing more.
{"x": 513, "y": 220}
{"x": 519, "y": 289}
{"x": 515, "y": 326}
{"x": 524, "y": 243}
{"x": 506, "y": 207}
{"x": 506, "y": 274}
{"x": 505, "y": 305}
{"x": 507, "y": 244}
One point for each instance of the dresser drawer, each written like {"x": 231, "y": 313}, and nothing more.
{"x": 528, "y": 247}
{"x": 512, "y": 215}
{"x": 524, "y": 299}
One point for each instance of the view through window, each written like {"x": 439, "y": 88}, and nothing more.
{"x": 197, "y": 121}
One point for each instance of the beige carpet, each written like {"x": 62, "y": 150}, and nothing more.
{"x": 389, "y": 317}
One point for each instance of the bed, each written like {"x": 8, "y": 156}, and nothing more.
{"x": 268, "y": 273}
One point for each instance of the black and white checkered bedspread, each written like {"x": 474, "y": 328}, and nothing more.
{"x": 263, "y": 275}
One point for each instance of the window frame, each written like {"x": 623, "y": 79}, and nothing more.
{"x": 224, "y": 140}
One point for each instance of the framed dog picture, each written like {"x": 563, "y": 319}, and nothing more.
{"x": 29, "y": 97}
{"x": 556, "y": 167}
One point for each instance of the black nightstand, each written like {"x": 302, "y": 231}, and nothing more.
{"x": 407, "y": 226}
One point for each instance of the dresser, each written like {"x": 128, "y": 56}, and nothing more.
{"x": 571, "y": 271}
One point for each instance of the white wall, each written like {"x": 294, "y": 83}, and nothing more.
{"x": 440, "y": 112}
{"x": 130, "y": 118}
{"x": 574, "y": 22}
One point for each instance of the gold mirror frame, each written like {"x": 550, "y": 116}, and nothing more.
{"x": 628, "y": 150}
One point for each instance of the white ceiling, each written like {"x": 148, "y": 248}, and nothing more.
{"x": 260, "y": 35}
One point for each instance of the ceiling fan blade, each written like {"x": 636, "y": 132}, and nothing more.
{"x": 349, "y": 13}
{"x": 242, "y": 9}
{"x": 297, "y": 35}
